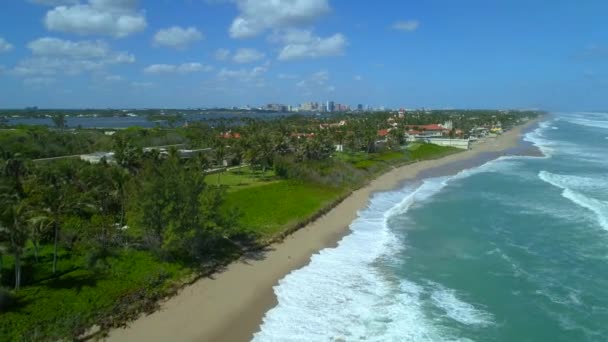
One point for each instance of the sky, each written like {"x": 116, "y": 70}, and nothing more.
{"x": 549, "y": 54}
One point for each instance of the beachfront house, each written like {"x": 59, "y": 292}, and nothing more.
{"x": 97, "y": 157}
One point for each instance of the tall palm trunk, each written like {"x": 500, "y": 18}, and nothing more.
{"x": 55, "y": 249}
{"x": 35, "y": 242}
{"x": 17, "y": 271}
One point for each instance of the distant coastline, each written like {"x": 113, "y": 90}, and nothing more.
{"x": 210, "y": 309}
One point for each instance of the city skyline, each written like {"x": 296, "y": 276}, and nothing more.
{"x": 221, "y": 53}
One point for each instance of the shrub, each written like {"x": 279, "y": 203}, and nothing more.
{"x": 7, "y": 300}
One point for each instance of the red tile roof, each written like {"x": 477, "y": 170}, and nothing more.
{"x": 230, "y": 135}
{"x": 431, "y": 127}
{"x": 383, "y": 132}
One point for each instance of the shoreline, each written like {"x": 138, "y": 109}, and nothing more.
{"x": 230, "y": 305}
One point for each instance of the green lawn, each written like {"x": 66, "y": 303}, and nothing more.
{"x": 80, "y": 297}
{"x": 241, "y": 178}
{"x": 419, "y": 151}
{"x": 366, "y": 161}
{"x": 269, "y": 209}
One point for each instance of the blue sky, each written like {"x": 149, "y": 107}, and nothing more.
{"x": 550, "y": 54}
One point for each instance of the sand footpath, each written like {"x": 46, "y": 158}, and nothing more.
{"x": 230, "y": 305}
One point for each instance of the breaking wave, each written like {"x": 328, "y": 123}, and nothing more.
{"x": 574, "y": 189}
{"x": 342, "y": 295}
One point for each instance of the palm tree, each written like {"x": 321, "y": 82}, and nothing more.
{"x": 219, "y": 153}
{"x": 38, "y": 225}
{"x": 14, "y": 230}
{"x": 59, "y": 121}
{"x": 14, "y": 169}
{"x": 54, "y": 201}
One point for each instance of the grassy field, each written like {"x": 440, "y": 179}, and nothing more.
{"x": 366, "y": 161}
{"x": 67, "y": 305}
{"x": 241, "y": 178}
{"x": 269, "y": 209}
{"x": 419, "y": 151}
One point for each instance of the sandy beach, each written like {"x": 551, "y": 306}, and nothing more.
{"x": 230, "y": 305}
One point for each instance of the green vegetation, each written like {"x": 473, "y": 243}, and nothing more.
{"x": 85, "y": 245}
{"x": 34, "y": 142}
{"x": 373, "y": 161}
{"x": 241, "y": 178}
{"x": 54, "y": 308}
{"x": 429, "y": 151}
{"x": 298, "y": 202}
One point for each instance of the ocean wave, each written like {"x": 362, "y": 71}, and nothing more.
{"x": 551, "y": 146}
{"x": 538, "y": 139}
{"x": 572, "y": 188}
{"x": 341, "y": 295}
{"x": 595, "y": 120}
{"x": 458, "y": 310}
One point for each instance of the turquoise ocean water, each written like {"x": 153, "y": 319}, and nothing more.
{"x": 513, "y": 250}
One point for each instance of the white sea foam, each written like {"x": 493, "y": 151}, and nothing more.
{"x": 459, "y": 310}
{"x": 342, "y": 295}
{"x": 595, "y": 120}
{"x": 551, "y": 146}
{"x": 539, "y": 140}
{"x": 573, "y": 189}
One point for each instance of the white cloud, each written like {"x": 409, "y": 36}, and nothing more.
{"x": 287, "y": 76}
{"x": 38, "y": 81}
{"x": 113, "y": 78}
{"x": 5, "y": 46}
{"x": 222, "y": 54}
{"x": 247, "y": 55}
{"x": 48, "y": 46}
{"x": 317, "y": 79}
{"x": 97, "y": 51}
{"x": 54, "y": 2}
{"x": 303, "y": 44}
{"x": 316, "y": 83}
{"x": 256, "y": 16}
{"x": 52, "y": 56}
{"x": 117, "y": 18}
{"x": 177, "y": 37}
{"x": 186, "y": 68}
{"x": 406, "y": 25}
{"x": 243, "y": 75}
{"x": 143, "y": 85}
{"x": 46, "y": 66}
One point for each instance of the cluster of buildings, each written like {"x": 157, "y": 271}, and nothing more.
{"x": 321, "y": 107}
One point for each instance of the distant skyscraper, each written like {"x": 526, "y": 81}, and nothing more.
{"x": 359, "y": 107}
{"x": 330, "y": 106}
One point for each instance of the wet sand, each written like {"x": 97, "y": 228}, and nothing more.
{"x": 230, "y": 306}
